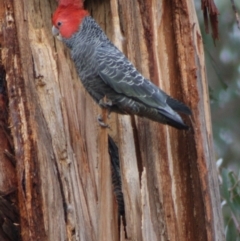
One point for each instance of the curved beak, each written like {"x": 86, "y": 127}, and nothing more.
{"x": 55, "y": 32}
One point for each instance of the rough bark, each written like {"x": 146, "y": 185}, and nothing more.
{"x": 63, "y": 172}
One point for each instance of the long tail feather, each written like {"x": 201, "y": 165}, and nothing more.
{"x": 178, "y": 106}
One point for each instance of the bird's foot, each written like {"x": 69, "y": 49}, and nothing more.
{"x": 109, "y": 113}
{"x": 101, "y": 122}
{"x": 105, "y": 102}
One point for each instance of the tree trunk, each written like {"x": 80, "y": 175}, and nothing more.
{"x": 63, "y": 168}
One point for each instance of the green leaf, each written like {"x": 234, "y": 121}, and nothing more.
{"x": 230, "y": 231}
{"x": 225, "y": 185}
{"x": 234, "y": 196}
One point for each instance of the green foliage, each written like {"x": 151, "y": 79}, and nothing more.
{"x": 223, "y": 71}
{"x": 230, "y": 193}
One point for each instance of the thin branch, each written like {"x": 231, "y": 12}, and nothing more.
{"x": 236, "y": 13}
{"x": 210, "y": 12}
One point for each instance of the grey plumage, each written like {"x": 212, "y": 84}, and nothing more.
{"x": 108, "y": 75}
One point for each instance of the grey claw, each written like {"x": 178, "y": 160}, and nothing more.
{"x": 101, "y": 123}
{"x": 108, "y": 114}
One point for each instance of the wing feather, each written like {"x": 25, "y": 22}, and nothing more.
{"x": 118, "y": 72}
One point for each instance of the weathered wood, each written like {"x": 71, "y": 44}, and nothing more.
{"x": 9, "y": 216}
{"x": 63, "y": 168}
{"x": 9, "y": 220}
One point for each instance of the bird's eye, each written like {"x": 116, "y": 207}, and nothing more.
{"x": 59, "y": 24}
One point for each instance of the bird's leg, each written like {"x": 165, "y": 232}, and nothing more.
{"x": 101, "y": 122}
{"x": 105, "y": 102}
